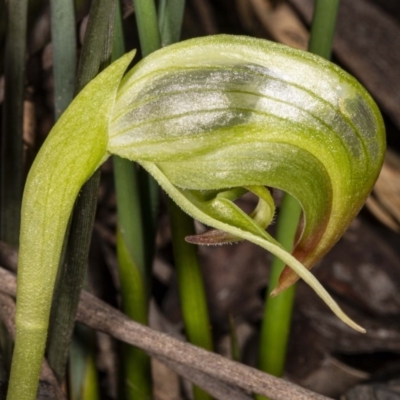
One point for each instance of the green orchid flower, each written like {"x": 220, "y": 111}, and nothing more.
{"x": 209, "y": 119}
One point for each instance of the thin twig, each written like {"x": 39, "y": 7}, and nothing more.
{"x": 98, "y": 315}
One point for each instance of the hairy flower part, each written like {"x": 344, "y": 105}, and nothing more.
{"x": 209, "y": 118}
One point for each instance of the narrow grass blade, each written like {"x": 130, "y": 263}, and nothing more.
{"x": 323, "y": 27}
{"x": 146, "y": 19}
{"x": 95, "y": 52}
{"x": 191, "y": 288}
{"x": 136, "y": 379}
{"x": 170, "y": 16}
{"x": 278, "y": 310}
{"x": 63, "y": 37}
{"x": 12, "y": 169}
{"x": 149, "y": 36}
{"x": 134, "y": 267}
{"x": 83, "y": 382}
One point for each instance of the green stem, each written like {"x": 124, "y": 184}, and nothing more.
{"x": 191, "y": 289}
{"x": 278, "y": 310}
{"x": 129, "y": 217}
{"x": 136, "y": 380}
{"x": 323, "y": 27}
{"x": 12, "y": 176}
{"x": 71, "y": 155}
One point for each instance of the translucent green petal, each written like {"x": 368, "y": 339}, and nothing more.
{"x": 221, "y": 112}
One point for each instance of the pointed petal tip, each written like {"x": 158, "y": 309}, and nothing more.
{"x": 340, "y": 314}
{"x": 349, "y": 322}
{"x": 286, "y": 279}
{"x": 336, "y": 309}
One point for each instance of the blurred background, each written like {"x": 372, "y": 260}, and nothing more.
{"x": 363, "y": 269}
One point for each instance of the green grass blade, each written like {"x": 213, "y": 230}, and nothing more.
{"x": 278, "y": 310}
{"x": 136, "y": 364}
{"x": 133, "y": 265}
{"x": 63, "y": 37}
{"x": 170, "y": 16}
{"x": 72, "y": 272}
{"x": 3, "y": 30}
{"x": 97, "y": 46}
{"x": 149, "y": 36}
{"x": 71, "y": 278}
{"x": 64, "y": 69}
{"x": 323, "y": 27}
{"x": 129, "y": 216}
{"x": 191, "y": 287}
{"x": 12, "y": 176}
{"x": 83, "y": 382}
{"x": 146, "y": 19}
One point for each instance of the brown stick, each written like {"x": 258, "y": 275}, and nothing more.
{"x": 100, "y": 316}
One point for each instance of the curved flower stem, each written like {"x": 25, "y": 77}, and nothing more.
{"x": 75, "y": 153}
{"x": 278, "y": 310}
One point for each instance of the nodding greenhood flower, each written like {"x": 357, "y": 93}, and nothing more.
{"x": 209, "y": 119}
